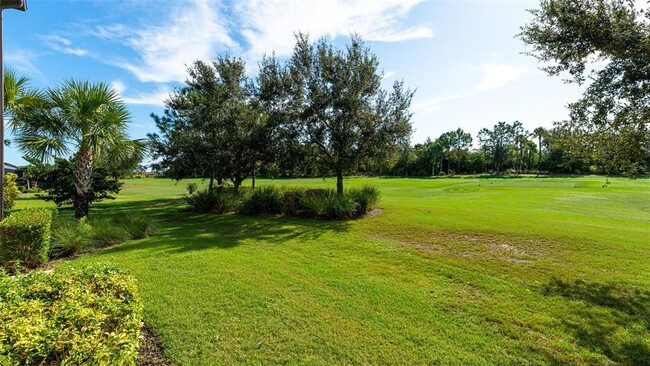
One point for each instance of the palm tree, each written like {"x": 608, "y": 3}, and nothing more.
{"x": 18, "y": 95}
{"x": 85, "y": 119}
{"x": 539, "y": 132}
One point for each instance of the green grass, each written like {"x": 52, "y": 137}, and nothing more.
{"x": 455, "y": 271}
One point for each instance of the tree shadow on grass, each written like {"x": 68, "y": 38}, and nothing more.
{"x": 614, "y": 318}
{"x": 183, "y": 231}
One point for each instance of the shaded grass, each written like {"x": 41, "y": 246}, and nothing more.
{"x": 455, "y": 271}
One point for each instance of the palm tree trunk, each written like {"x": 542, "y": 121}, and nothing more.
{"x": 83, "y": 182}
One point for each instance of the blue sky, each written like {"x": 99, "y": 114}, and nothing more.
{"x": 461, "y": 56}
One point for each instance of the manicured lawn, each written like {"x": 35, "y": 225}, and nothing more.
{"x": 455, "y": 271}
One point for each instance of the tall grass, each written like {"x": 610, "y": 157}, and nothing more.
{"x": 220, "y": 200}
{"x": 366, "y": 198}
{"x": 272, "y": 200}
{"x": 70, "y": 237}
{"x": 330, "y": 205}
{"x": 265, "y": 200}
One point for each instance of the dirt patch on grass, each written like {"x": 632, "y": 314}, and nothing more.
{"x": 476, "y": 246}
{"x": 373, "y": 213}
{"x": 151, "y": 351}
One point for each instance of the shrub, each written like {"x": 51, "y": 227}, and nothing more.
{"x": 106, "y": 233}
{"x": 220, "y": 200}
{"x": 192, "y": 187}
{"x": 292, "y": 201}
{"x": 330, "y": 205}
{"x": 86, "y": 316}
{"x": 10, "y": 191}
{"x": 25, "y": 236}
{"x": 265, "y": 200}
{"x": 57, "y": 181}
{"x": 70, "y": 237}
{"x": 366, "y": 198}
{"x": 137, "y": 225}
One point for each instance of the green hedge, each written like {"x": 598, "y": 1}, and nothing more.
{"x": 83, "y": 316}
{"x": 25, "y": 236}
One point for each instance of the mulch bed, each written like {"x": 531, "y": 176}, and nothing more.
{"x": 151, "y": 351}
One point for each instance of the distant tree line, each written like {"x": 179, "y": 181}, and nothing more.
{"x": 504, "y": 148}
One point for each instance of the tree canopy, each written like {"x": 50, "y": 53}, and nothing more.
{"x": 339, "y": 107}
{"x": 612, "y": 116}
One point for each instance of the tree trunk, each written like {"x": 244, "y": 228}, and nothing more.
{"x": 83, "y": 182}
{"x": 539, "y": 158}
{"x": 219, "y": 181}
{"x": 458, "y": 167}
{"x": 211, "y": 186}
{"x": 433, "y": 169}
{"x": 339, "y": 182}
{"x": 253, "y": 182}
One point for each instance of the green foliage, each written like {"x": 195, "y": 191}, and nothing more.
{"x": 75, "y": 316}
{"x": 58, "y": 181}
{"x": 211, "y": 127}
{"x": 86, "y": 120}
{"x": 192, "y": 187}
{"x": 10, "y": 191}
{"x": 265, "y": 200}
{"x": 610, "y": 120}
{"x": 365, "y": 197}
{"x": 70, "y": 237}
{"x": 220, "y": 200}
{"x": 293, "y": 201}
{"x": 330, "y": 205}
{"x": 346, "y": 116}
{"x": 105, "y": 232}
{"x": 137, "y": 225}
{"x": 25, "y": 236}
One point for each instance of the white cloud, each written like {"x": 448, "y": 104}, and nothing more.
{"x": 198, "y": 29}
{"x": 389, "y": 74}
{"x": 22, "y": 60}
{"x": 269, "y": 25}
{"x": 156, "y": 98}
{"x": 493, "y": 75}
{"x": 119, "y": 86}
{"x": 496, "y": 75}
{"x": 194, "y": 31}
{"x": 63, "y": 45}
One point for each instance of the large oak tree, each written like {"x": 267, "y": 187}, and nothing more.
{"x": 575, "y": 38}
{"x": 338, "y": 106}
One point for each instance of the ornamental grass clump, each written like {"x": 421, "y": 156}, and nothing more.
{"x": 265, "y": 200}
{"x": 70, "y": 237}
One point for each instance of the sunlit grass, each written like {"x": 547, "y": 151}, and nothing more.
{"x": 455, "y": 271}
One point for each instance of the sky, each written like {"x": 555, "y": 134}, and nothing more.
{"x": 463, "y": 58}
